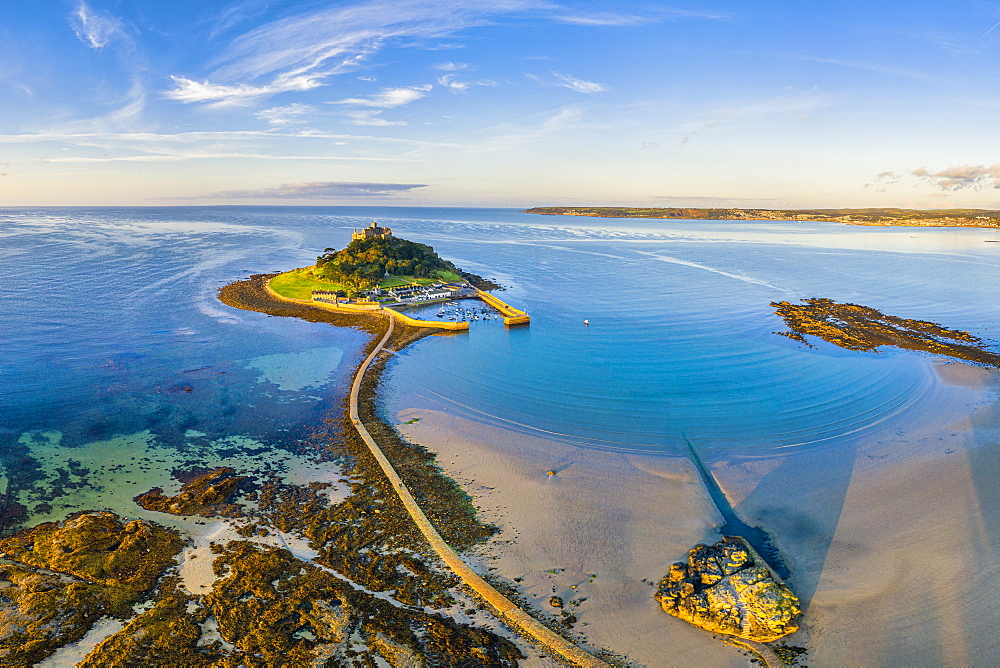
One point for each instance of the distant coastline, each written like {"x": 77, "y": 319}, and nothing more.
{"x": 876, "y": 217}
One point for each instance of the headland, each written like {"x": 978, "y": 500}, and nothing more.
{"x": 876, "y": 217}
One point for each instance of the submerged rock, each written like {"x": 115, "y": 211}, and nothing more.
{"x": 728, "y": 588}
{"x": 207, "y": 495}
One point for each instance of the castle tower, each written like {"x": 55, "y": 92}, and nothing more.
{"x": 373, "y": 231}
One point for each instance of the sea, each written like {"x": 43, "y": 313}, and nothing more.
{"x": 118, "y": 364}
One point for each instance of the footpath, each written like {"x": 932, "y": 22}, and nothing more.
{"x": 506, "y": 608}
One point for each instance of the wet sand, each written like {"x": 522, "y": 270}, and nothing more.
{"x": 621, "y": 518}
{"x": 893, "y": 538}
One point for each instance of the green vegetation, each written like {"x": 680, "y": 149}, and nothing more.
{"x": 927, "y": 217}
{"x": 299, "y": 284}
{"x": 365, "y": 262}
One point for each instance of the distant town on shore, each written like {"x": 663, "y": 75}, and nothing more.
{"x": 913, "y": 217}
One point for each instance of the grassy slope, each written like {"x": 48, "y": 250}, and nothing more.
{"x": 298, "y": 284}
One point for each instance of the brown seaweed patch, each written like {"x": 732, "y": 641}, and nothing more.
{"x": 863, "y": 328}
{"x": 167, "y": 634}
{"x": 66, "y": 575}
{"x": 208, "y": 495}
{"x": 284, "y": 611}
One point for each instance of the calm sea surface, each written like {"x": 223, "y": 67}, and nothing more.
{"x": 110, "y": 326}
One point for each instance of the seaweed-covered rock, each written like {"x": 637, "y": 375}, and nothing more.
{"x": 728, "y": 588}
{"x": 42, "y": 611}
{"x": 279, "y": 610}
{"x": 64, "y": 576}
{"x": 207, "y": 495}
{"x": 165, "y": 635}
{"x": 98, "y": 547}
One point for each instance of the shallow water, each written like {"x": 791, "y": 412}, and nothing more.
{"x": 110, "y": 328}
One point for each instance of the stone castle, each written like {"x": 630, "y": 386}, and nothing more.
{"x": 373, "y": 231}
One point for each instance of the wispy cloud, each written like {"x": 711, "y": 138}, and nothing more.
{"x": 881, "y": 181}
{"x": 94, "y": 29}
{"x": 452, "y": 67}
{"x": 285, "y": 115}
{"x": 697, "y": 130}
{"x": 579, "y": 85}
{"x": 322, "y": 190}
{"x": 604, "y": 19}
{"x": 878, "y": 68}
{"x": 222, "y": 95}
{"x": 370, "y": 117}
{"x": 653, "y": 16}
{"x": 567, "y": 81}
{"x": 800, "y": 103}
{"x": 180, "y": 157}
{"x": 960, "y": 177}
{"x": 305, "y": 50}
{"x": 390, "y": 97}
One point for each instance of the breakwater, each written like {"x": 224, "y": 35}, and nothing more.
{"x": 511, "y": 315}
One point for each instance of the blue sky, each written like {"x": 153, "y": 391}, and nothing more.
{"x": 500, "y": 103}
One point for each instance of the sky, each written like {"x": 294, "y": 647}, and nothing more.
{"x": 509, "y": 103}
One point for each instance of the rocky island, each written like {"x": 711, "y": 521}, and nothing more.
{"x": 863, "y": 328}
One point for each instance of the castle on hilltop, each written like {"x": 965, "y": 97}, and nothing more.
{"x": 373, "y": 231}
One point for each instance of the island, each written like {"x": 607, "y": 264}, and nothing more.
{"x": 863, "y": 328}
{"x": 877, "y": 217}
{"x": 381, "y": 272}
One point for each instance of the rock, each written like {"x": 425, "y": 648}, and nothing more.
{"x": 728, "y": 588}
{"x": 98, "y": 547}
{"x": 207, "y": 495}
{"x": 556, "y": 602}
{"x": 66, "y": 575}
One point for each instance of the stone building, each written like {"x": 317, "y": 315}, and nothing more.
{"x": 373, "y": 231}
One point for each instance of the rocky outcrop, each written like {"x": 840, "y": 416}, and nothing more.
{"x": 57, "y": 579}
{"x": 207, "y": 495}
{"x": 728, "y": 588}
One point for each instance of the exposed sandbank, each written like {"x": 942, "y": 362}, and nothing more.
{"x": 893, "y": 538}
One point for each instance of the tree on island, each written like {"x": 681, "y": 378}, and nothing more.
{"x": 365, "y": 262}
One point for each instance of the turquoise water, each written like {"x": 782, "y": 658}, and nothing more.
{"x": 680, "y": 341}
{"x": 110, "y": 326}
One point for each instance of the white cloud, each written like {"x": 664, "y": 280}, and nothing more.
{"x": 654, "y": 16}
{"x": 451, "y": 83}
{"x": 390, "y": 97}
{"x": 92, "y": 28}
{"x": 221, "y": 95}
{"x": 567, "y": 81}
{"x": 452, "y": 67}
{"x": 579, "y": 85}
{"x": 303, "y": 51}
{"x": 286, "y": 115}
{"x": 370, "y": 117}
{"x": 603, "y": 19}
{"x": 323, "y": 190}
{"x": 960, "y": 177}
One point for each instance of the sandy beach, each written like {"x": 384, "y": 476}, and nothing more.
{"x": 892, "y": 539}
